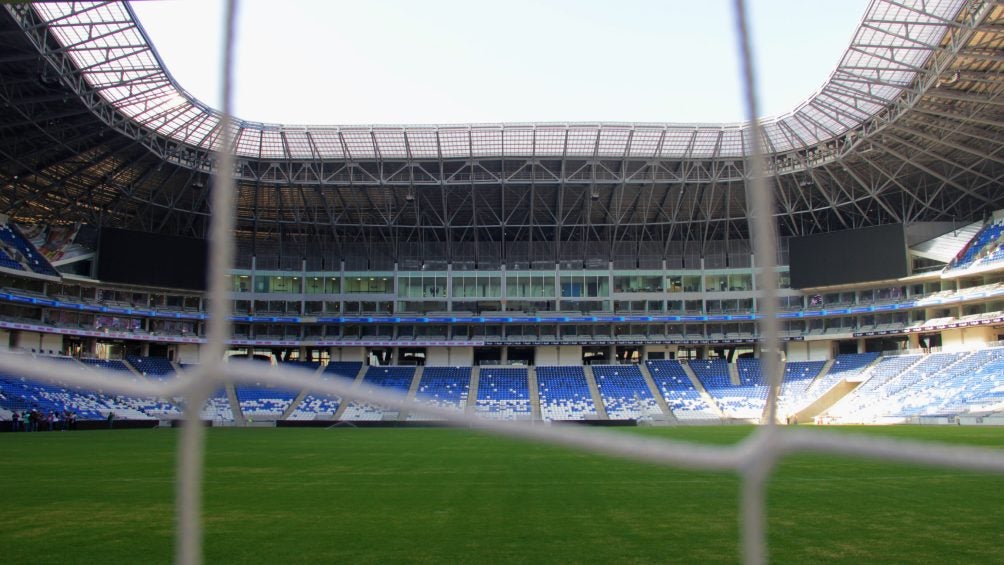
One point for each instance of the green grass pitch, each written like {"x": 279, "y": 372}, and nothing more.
{"x": 452, "y": 496}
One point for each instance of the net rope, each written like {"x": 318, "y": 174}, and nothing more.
{"x": 752, "y": 459}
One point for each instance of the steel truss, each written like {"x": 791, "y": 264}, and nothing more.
{"x": 908, "y": 129}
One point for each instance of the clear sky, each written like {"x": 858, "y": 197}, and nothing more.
{"x": 460, "y": 61}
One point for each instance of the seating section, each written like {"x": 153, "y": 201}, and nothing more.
{"x": 394, "y": 378}
{"x": 23, "y": 393}
{"x": 503, "y": 393}
{"x": 941, "y": 384}
{"x": 154, "y": 368}
{"x": 870, "y": 402}
{"x": 683, "y": 398}
{"x": 217, "y": 408}
{"x": 19, "y": 250}
{"x": 893, "y": 389}
{"x": 7, "y": 262}
{"x": 564, "y": 394}
{"x": 264, "y": 402}
{"x": 445, "y": 387}
{"x": 625, "y": 393}
{"x": 984, "y": 249}
{"x": 322, "y": 406}
{"x": 794, "y": 395}
{"x": 745, "y": 401}
{"x": 847, "y": 366}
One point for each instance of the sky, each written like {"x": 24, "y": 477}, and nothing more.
{"x": 466, "y": 61}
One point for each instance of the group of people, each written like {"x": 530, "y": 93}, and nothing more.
{"x": 35, "y": 420}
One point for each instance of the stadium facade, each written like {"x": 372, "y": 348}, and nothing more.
{"x": 547, "y": 243}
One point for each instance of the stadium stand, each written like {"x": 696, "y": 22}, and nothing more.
{"x": 7, "y": 262}
{"x": 24, "y": 393}
{"x": 682, "y": 397}
{"x": 564, "y": 394}
{"x": 16, "y": 243}
{"x": 504, "y": 393}
{"x": 392, "y": 377}
{"x": 794, "y": 394}
{"x": 734, "y": 401}
{"x": 625, "y": 393}
{"x": 263, "y": 402}
{"x": 445, "y": 387}
{"x": 324, "y": 406}
{"x": 218, "y": 408}
{"x": 866, "y": 404}
{"x": 984, "y": 249}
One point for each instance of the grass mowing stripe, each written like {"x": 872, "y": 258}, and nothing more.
{"x": 439, "y": 495}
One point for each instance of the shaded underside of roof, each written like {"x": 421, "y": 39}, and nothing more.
{"x": 908, "y": 129}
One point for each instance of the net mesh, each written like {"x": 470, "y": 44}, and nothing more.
{"x": 752, "y": 459}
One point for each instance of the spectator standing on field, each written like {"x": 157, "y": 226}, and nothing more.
{"x": 15, "y": 421}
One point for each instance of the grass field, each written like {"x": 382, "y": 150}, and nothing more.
{"x": 451, "y": 496}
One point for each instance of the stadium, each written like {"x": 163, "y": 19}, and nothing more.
{"x": 536, "y": 273}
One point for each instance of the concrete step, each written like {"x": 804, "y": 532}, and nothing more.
{"x": 472, "y": 391}
{"x": 659, "y": 398}
{"x": 594, "y": 391}
{"x": 235, "y": 405}
{"x": 701, "y": 390}
{"x": 778, "y": 417}
{"x": 412, "y": 393}
{"x": 534, "y": 394}
{"x": 346, "y": 400}
{"x": 734, "y": 374}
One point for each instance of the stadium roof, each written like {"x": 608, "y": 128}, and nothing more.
{"x": 909, "y": 128}
{"x": 116, "y": 59}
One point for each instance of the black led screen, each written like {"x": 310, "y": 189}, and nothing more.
{"x": 142, "y": 258}
{"x": 849, "y": 256}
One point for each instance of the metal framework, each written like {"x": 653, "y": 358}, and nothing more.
{"x": 907, "y": 129}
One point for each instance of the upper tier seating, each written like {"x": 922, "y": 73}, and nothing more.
{"x": 503, "y": 393}
{"x": 6, "y": 261}
{"x": 10, "y": 236}
{"x": 982, "y": 250}
{"x": 564, "y": 394}
{"x": 625, "y": 393}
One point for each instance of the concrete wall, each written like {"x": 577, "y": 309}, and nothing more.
{"x": 559, "y": 355}
{"x": 961, "y": 339}
{"x": 188, "y": 353}
{"x": 449, "y": 357}
{"x": 38, "y": 341}
{"x": 819, "y": 350}
{"x": 354, "y": 354}
{"x": 664, "y": 348}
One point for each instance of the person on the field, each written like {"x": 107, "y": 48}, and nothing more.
{"x": 111, "y": 419}
{"x": 15, "y": 421}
